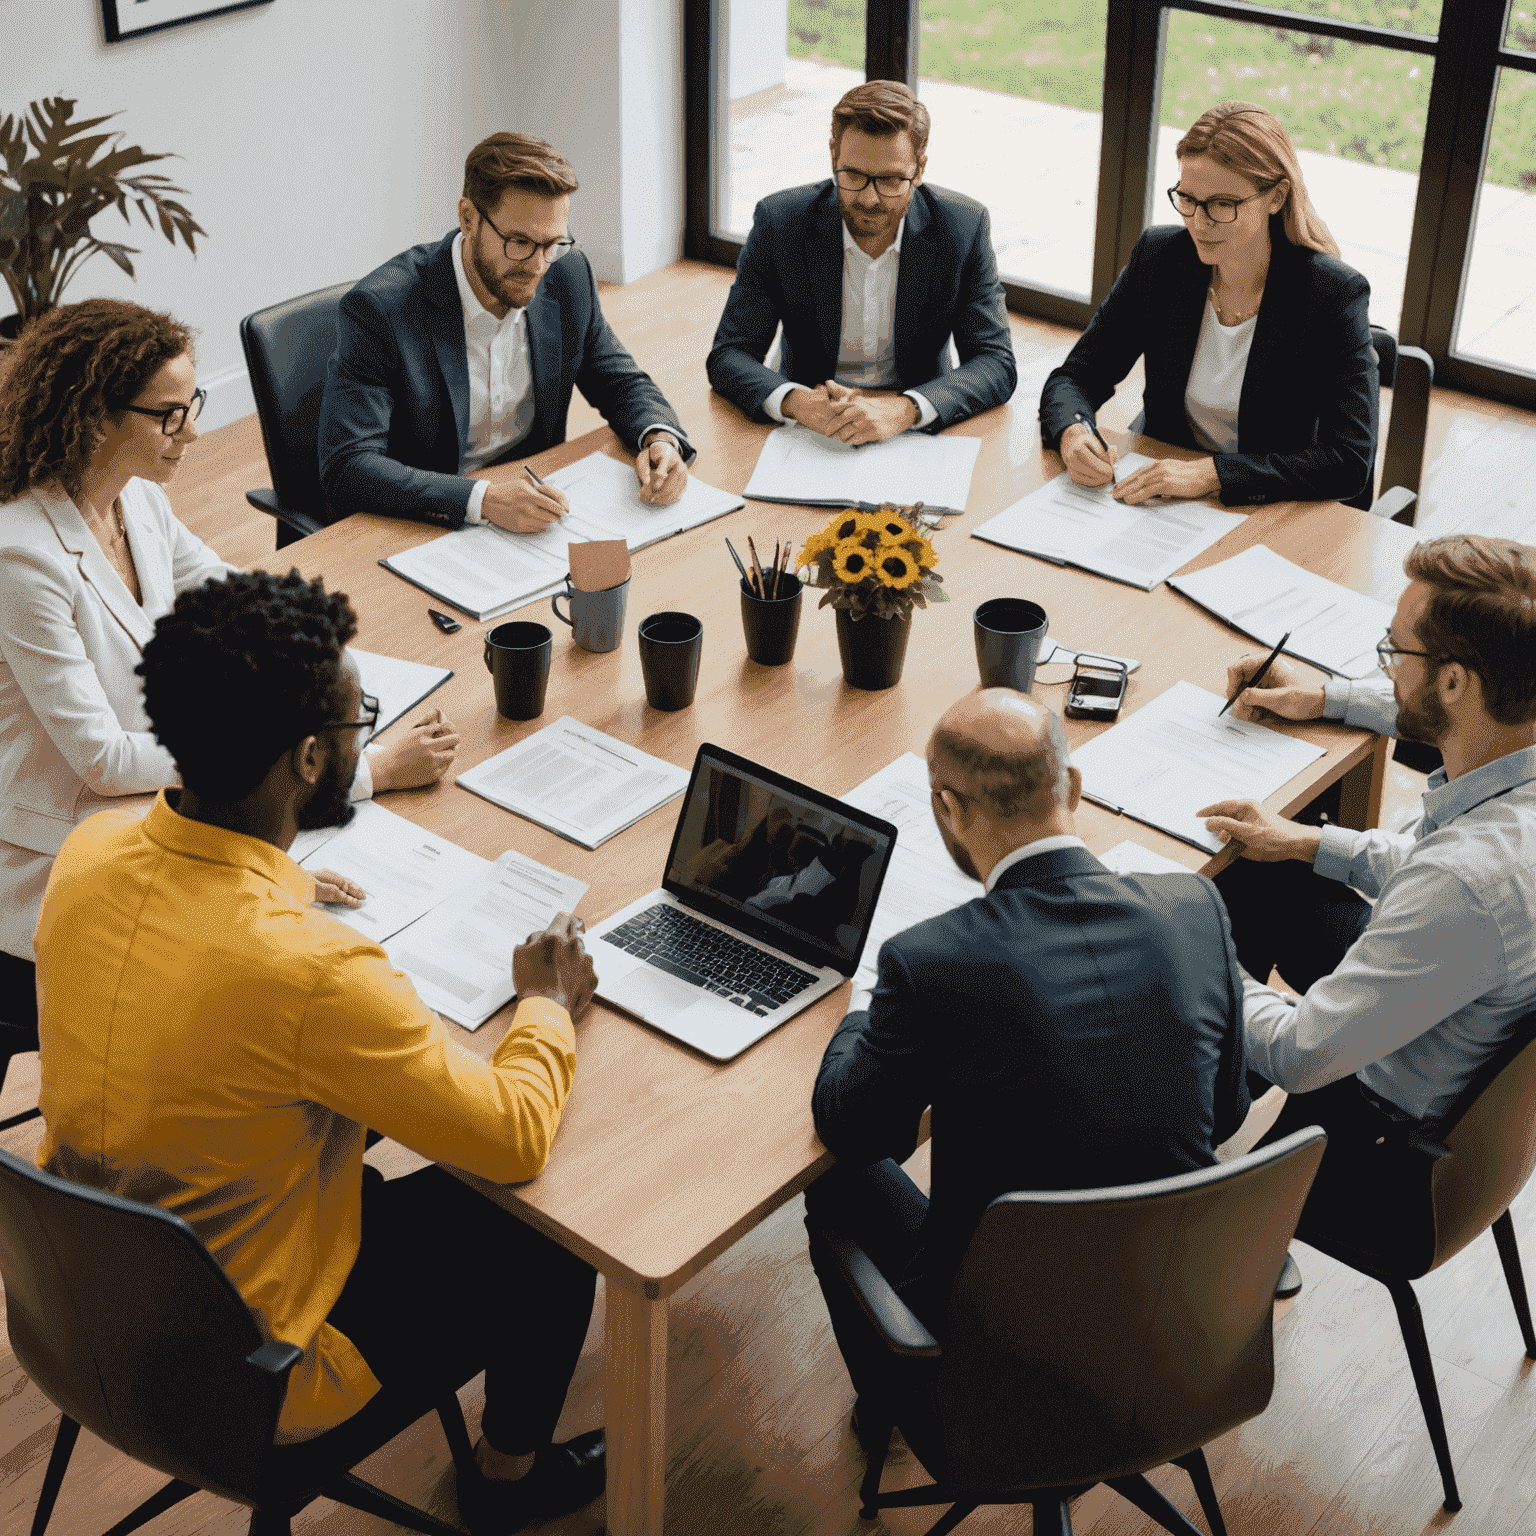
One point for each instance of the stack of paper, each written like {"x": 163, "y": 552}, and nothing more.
{"x": 802, "y": 467}
{"x": 1264, "y": 595}
{"x": 484, "y": 571}
{"x": 1178, "y": 754}
{"x": 1071, "y": 524}
{"x": 580, "y": 783}
{"x": 397, "y": 685}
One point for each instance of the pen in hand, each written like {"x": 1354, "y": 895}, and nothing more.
{"x": 529, "y": 472}
{"x": 1258, "y": 677}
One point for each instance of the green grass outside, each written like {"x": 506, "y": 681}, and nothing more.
{"x": 1360, "y": 102}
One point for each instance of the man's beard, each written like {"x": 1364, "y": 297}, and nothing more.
{"x": 329, "y": 806}
{"x": 874, "y": 220}
{"x": 499, "y": 284}
{"x": 1422, "y": 717}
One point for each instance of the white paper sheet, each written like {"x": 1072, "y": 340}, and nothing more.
{"x": 1058, "y": 653}
{"x": 803, "y": 467}
{"x": 1175, "y": 756}
{"x": 605, "y": 503}
{"x": 1130, "y": 858}
{"x": 1264, "y": 595}
{"x": 580, "y": 783}
{"x": 1084, "y": 525}
{"x": 459, "y": 955}
{"x": 405, "y": 869}
{"x": 397, "y": 685}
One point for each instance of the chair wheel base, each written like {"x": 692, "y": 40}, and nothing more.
{"x": 868, "y": 1512}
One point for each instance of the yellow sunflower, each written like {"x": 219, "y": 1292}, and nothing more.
{"x": 854, "y": 563}
{"x": 921, "y": 550}
{"x": 847, "y": 525}
{"x": 816, "y": 546}
{"x": 892, "y": 529}
{"x": 895, "y": 567}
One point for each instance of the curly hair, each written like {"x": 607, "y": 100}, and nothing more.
{"x": 72, "y": 367}
{"x": 240, "y": 671}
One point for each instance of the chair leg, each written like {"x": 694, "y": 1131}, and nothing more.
{"x": 11, "y": 1121}
{"x": 1138, "y": 1491}
{"x": 1504, "y": 1236}
{"x": 268, "y": 1522}
{"x": 356, "y": 1494}
{"x": 452, "y": 1415}
{"x": 949, "y": 1519}
{"x": 1200, "y": 1475}
{"x": 1053, "y": 1517}
{"x": 156, "y": 1504}
{"x": 875, "y": 1438}
{"x": 1411, "y": 1321}
{"x": 53, "y": 1479}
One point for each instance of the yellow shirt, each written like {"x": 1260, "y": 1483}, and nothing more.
{"x": 215, "y": 1045}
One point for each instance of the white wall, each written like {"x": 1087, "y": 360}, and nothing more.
{"x": 320, "y": 137}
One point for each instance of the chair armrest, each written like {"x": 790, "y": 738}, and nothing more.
{"x": 899, "y": 1327}
{"x": 1396, "y": 503}
{"x": 276, "y": 1358}
{"x": 301, "y": 522}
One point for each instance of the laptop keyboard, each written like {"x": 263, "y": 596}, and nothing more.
{"x": 676, "y": 942}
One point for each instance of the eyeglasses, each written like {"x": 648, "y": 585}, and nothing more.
{"x": 175, "y": 418}
{"x": 370, "y": 707}
{"x": 886, "y": 186}
{"x": 520, "y": 247}
{"x": 1219, "y": 210}
{"x": 1387, "y": 654}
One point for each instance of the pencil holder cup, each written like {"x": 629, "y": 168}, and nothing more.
{"x": 772, "y": 624}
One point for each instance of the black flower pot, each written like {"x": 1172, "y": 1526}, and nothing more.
{"x": 873, "y": 649}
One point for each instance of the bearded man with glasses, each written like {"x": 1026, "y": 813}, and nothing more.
{"x": 870, "y": 273}
{"x": 463, "y": 353}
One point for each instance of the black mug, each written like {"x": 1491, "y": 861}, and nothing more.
{"x": 670, "y": 646}
{"x": 772, "y": 624}
{"x": 517, "y": 657}
{"x": 1009, "y": 632}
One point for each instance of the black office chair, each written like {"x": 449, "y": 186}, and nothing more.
{"x": 156, "y": 1354}
{"x": 1091, "y": 1335}
{"x": 16, "y": 1040}
{"x": 1483, "y": 1150}
{"x": 287, "y": 347}
{"x": 1408, "y": 372}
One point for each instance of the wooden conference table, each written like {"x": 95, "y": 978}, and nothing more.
{"x": 665, "y": 1159}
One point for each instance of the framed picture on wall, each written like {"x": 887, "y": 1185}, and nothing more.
{"x": 122, "y": 19}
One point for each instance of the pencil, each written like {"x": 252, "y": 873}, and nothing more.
{"x": 757, "y": 567}
{"x": 1259, "y": 676}
{"x": 783, "y": 567}
{"x": 739, "y": 566}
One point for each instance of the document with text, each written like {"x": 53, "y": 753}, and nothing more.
{"x": 1175, "y": 756}
{"x": 1264, "y": 595}
{"x": 578, "y": 782}
{"x": 397, "y": 685}
{"x": 1130, "y": 858}
{"x": 1084, "y": 525}
{"x": 802, "y": 467}
{"x": 459, "y": 956}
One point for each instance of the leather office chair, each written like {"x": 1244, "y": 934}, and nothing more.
{"x": 1482, "y": 1152}
{"x": 16, "y": 1040}
{"x": 157, "y": 1354}
{"x": 1092, "y": 1334}
{"x": 286, "y": 349}
{"x": 1408, "y": 372}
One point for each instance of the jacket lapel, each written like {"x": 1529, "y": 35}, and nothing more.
{"x": 1182, "y": 317}
{"x": 544, "y": 359}
{"x": 1280, "y": 317}
{"x": 824, "y": 273}
{"x": 445, "y": 320}
{"x": 95, "y": 568}
{"x": 914, "y": 277}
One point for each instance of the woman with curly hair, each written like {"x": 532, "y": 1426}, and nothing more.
{"x": 97, "y": 410}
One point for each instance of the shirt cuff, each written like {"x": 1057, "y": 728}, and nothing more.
{"x": 859, "y": 1000}
{"x": 1335, "y": 854}
{"x": 362, "y": 780}
{"x": 533, "y": 1012}
{"x": 477, "y": 490}
{"x": 773, "y": 406}
{"x": 926, "y": 414}
{"x": 1335, "y": 698}
{"x": 663, "y": 426}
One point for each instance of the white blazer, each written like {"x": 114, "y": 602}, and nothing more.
{"x": 73, "y": 732}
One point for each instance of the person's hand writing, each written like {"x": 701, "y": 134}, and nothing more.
{"x": 420, "y": 753}
{"x": 1084, "y": 457}
{"x": 661, "y": 472}
{"x": 1183, "y": 479}
{"x": 1260, "y": 834}
{"x": 859, "y": 418}
{"x": 812, "y": 408}
{"x": 555, "y": 964}
{"x": 520, "y": 506}
{"x": 1282, "y": 693}
{"x": 336, "y": 890}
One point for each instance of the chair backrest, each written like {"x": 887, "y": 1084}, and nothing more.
{"x": 287, "y": 347}
{"x": 1095, "y": 1333}
{"x": 1491, "y": 1133}
{"x": 1408, "y": 372}
{"x": 126, "y": 1322}
{"x": 1385, "y": 344}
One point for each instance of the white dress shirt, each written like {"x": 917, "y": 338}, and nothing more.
{"x": 866, "y": 358}
{"x": 1216, "y": 381}
{"x": 1030, "y": 850}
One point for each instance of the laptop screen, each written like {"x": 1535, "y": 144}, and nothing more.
{"x": 779, "y": 860}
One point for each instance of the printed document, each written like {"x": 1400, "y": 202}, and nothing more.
{"x": 1174, "y": 756}
{"x": 1084, "y": 525}
{"x": 580, "y": 783}
{"x": 803, "y": 467}
{"x": 1264, "y": 595}
{"x": 459, "y": 956}
{"x": 397, "y": 685}
{"x": 1130, "y": 858}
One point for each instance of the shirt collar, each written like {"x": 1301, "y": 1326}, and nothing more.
{"x": 191, "y": 839}
{"x": 1446, "y": 799}
{"x": 476, "y": 315}
{"x": 851, "y": 246}
{"x": 1030, "y": 850}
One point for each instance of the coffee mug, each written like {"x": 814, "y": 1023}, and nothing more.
{"x": 596, "y": 619}
{"x": 517, "y": 657}
{"x": 670, "y": 646}
{"x": 1009, "y": 632}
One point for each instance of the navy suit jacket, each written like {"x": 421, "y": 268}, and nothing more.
{"x": 1073, "y": 1029}
{"x": 1306, "y": 420}
{"x": 791, "y": 271}
{"x": 395, "y": 417}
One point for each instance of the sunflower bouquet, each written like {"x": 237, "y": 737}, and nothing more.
{"x": 876, "y": 562}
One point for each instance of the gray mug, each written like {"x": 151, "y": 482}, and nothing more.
{"x": 596, "y": 618}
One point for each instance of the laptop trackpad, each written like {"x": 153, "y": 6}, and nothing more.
{"x": 653, "y": 995}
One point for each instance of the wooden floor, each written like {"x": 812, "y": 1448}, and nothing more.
{"x": 758, "y": 1399}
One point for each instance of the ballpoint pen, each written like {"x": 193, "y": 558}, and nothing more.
{"x": 527, "y": 471}
{"x": 1259, "y": 676}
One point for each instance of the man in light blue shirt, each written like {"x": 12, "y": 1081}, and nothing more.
{"x": 1402, "y": 1000}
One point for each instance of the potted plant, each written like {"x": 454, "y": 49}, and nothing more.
{"x": 56, "y": 177}
{"x": 875, "y": 567}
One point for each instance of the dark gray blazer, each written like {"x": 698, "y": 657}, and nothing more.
{"x": 1306, "y": 419}
{"x": 395, "y": 417}
{"x": 1074, "y": 1028}
{"x": 791, "y": 271}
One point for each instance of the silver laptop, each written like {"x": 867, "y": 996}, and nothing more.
{"x": 764, "y": 907}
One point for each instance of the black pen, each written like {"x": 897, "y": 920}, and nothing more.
{"x": 737, "y": 558}
{"x": 1259, "y": 676}
{"x": 527, "y": 471}
{"x": 1102, "y": 444}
